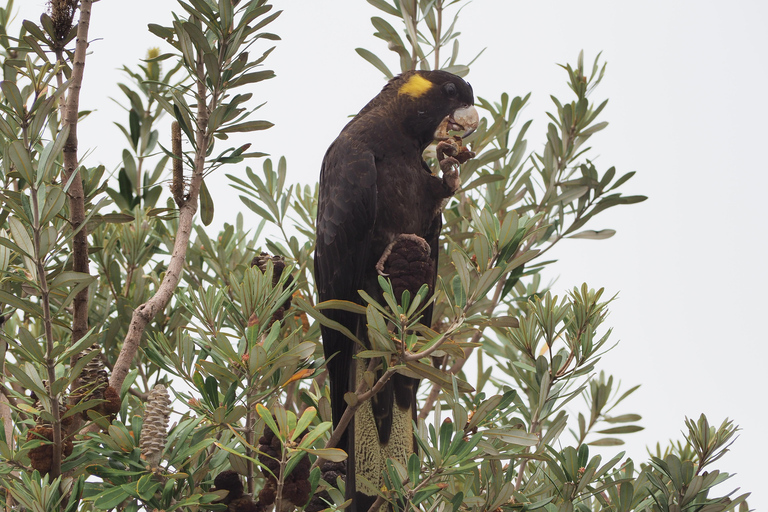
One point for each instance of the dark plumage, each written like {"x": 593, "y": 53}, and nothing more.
{"x": 374, "y": 187}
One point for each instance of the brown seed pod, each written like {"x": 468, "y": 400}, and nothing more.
{"x": 41, "y": 457}
{"x": 154, "y": 430}
{"x": 296, "y": 485}
{"x": 278, "y": 265}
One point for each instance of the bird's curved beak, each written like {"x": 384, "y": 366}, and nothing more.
{"x": 464, "y": 119}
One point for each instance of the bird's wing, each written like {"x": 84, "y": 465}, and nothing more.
{"x": 345, "y": 220}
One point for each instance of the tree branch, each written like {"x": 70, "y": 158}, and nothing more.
{"x": 75, "y": 192}
{"x": 147, "y": 311}
{"x": 350, "y": 411}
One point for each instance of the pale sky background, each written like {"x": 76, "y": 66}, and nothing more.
{"x": 687, "y": 111}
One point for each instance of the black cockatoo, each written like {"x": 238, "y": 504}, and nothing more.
{"x": 379, "y": 196}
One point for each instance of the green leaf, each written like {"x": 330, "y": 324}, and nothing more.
{"x": 594, "y": 235}
{"x": 329, "y": 454}
{"x": 626, "y": 429}
{"x": 21, "y": 237}
{"x": 206, "y": 204}
{"x": 50, "y": 153}
{"x": 266, "y": 415}
{"x": 377, "y": 63}
{"x": 459, "y": 295}
{"x": 304, "y": 306}
{"x": 21, "y": 160}
{"x": 437, "y": 376}
{"x": 22, "y": 304}
{"x": 304, "y": 421}
{"x": 624, "y": 418}
{"x": 593, "y": 129}
{"x": 607, "y": 441}
{"x": 71, "y": 278}
{"x": 248, "y": 126}
{"x": 121, "y": 436}
{"x": 31, "y": 345}
{"x": 146, "y": 487}
{"x": 386, "y": 7}
{"x": 570, "y": 194}
{"x": 512, "y": 436}
{"x": 26, "y": 380}
{"x": 54, "y": 202}
{"x": 110, "y": 498}
{"x": 342, "y": 305}
{"x": 250, "y": 78}
{"x": 13, "y": 96}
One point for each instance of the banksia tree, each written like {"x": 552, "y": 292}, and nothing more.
{"x": 124, "y": 267}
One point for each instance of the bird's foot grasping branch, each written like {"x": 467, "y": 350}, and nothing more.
{"x": 406, "y": 261}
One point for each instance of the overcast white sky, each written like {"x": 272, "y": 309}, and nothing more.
{"x": 687, "y": 111}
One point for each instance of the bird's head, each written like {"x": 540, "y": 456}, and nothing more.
{"x": 429, "y": 104}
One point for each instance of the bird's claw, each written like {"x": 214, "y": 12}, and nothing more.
{"x": 451, "y": 177}
{"x": 451, "y": 153}
{"x": 449, "y": 147}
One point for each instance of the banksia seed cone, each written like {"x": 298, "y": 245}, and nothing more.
{"x": 94, "y": 376}
{"x": 236, "y": 501}
{"x": 331, "y": 471}
{"x": 154, "y": 429}
{"x": 65, "y": 422}
{"x": 94, "y": 385}
{"x": 278, "y": 265}
{"x": 41, "y": 457}
{"x": 295, "y": 487}
{"x": 229, "y": 481}
{"x": 408, "y": 264}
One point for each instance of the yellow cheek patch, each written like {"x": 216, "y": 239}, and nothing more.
{"x": 415, "y": 87}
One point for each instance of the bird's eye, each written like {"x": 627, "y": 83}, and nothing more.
{"x": 450, "y": 90}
